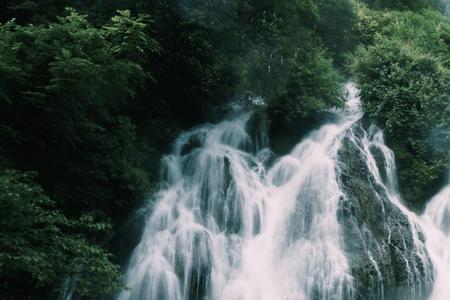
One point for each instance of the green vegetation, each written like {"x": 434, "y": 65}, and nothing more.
{"x": 63, "y": 86}
{"x": 46, "y": 246}
{"x": 412, "y": 5}
{"x": 404, "y": 74}
{"x": 91, "y": 96}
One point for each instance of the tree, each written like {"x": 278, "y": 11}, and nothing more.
{"x": 40, "y": 247}
{"x": 67, "y": 86}
{"x": 404, "y": 81}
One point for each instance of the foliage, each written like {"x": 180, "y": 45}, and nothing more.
{"x": 402, "y": 4}
{"x": 40, "y": 246}
{"x": 337, "y": 26}
{"x": 404, "y": 81}
{"x": 66, "y": 89}
{"x": 312, "y": 86}
{"x": 273, "y": 43}
{"x": 71, "y": 81}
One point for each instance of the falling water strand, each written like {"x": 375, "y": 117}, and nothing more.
{"x": 436, "y": 224}
{"x": 224, "y": 227}
{"x": 417, "y": 265}
{"x": 229, "y": 222}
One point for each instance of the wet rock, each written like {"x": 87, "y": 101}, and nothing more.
{"x": 377, "y": 236}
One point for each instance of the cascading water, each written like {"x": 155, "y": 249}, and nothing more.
{"x": 324, "y": 222}
{"x": 391, "y": 260}
{"x": 436, "y": 224}
{"x": 224, "y": 228}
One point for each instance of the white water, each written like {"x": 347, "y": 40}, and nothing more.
{"x": 225, "y": 227}
{"x": 418, "y": 269}
{"x": 436, "y": 223}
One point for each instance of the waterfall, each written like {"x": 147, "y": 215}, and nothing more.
{"x": 394, "y": 251}
{"x": 323, "y": 222}
{"x": 436, "y": 223}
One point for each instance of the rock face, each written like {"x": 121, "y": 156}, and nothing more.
{"x": 384, "y": 244}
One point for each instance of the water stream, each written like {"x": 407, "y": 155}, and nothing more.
{"x": 232, "y": 222}
{"x": 436, "y": 223}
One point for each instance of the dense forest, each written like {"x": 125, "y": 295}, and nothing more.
{"x": 92, "y": 93}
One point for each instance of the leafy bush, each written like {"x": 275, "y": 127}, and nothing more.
{"x": 66, "y": 86}
{"x": 405, "y": 85}
{"x": 40, "y": 246}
